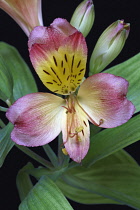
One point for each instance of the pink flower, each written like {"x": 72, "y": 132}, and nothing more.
{"x": 27, "y": 13}
{"x": 58, "y": 54}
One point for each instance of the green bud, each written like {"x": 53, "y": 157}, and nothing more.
{"x": 83, "y": 17}
{"x": 109, "y": 45}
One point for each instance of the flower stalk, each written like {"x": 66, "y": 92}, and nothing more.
{"x": 35, "y": 156}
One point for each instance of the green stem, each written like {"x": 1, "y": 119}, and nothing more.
{"x": 60, "y": 153}
{"x": 35, "y": 156}
{"x": 63, "y": 159}
{"x": 50, "y": 153}
{"x": 54, "y": 175}
{"x": 3, "y": 109}
{"x": 2, "y": 125}
{"x": 73, "y": 164}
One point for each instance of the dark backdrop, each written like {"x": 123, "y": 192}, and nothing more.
{"x": 106, "y": 12}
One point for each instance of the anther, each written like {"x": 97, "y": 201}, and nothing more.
{"x": 64, "y": 151}
{"x": 77, "y": 130}
{"x": 101, "y": 122}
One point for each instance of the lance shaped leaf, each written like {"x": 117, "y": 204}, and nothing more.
{"x": 16, "y": 79}
{"x": 119, "y": 182}
{"x": 84, "y": 195}
{"x": 45, "y": 195}
{"x": 111, "y": 140}
{"x": 6, "y": 143}
{"x": 23, "y": 181}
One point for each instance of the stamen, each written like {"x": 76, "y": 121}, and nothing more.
{"x": 64, "y": 151}
{"x": 101, "y": 121}
{"x": 69, "y": 109}
{"x": 78, "y": 138}
{"x": 77, "y": 130}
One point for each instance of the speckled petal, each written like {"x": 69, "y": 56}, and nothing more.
{"x": 58, "y": 54}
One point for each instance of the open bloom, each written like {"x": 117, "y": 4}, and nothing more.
{"x": 27, "y": 13}
{"x": 58, "y": 54}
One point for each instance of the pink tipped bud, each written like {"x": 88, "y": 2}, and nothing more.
{"x": 109, "y": 45}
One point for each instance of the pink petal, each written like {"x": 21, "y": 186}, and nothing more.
{"x": 76, "y": 143}
{"x": 37, "y": 118}
{"x": 52, "y": 37}
{"x": 103, "y": 97}
{"x": 27, "y": 13}
{"x": 58, "y": 54}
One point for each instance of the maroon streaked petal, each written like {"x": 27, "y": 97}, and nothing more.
{"x": 37, "y": 119}
{"x": 103, "y": 97}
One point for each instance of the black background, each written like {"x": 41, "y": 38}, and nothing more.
{"x": 106, "y": 12}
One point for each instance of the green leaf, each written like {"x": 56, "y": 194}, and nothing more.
{"x": 16, "y": 79}
{"x": 5, "y": 142}
{"x": 111, "y": 140}
{"x": 119, "y": 182}
{"x": 23, "y": 181}
{"x": 83, "y": 195}
{"x": 94, "y": 129}
{"x": 45, "y": 195}
{"x": 6, "y": 82}
{"x": 130, "y": 70}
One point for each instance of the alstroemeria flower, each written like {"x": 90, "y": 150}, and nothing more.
{"x": 27, "y": 13}
{"x": 58, "y": 54}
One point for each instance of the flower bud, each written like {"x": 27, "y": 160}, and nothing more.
{"x": 83, "y": 17}
{"x": 109, "y": 45}
{"x": 27, "y": 13}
